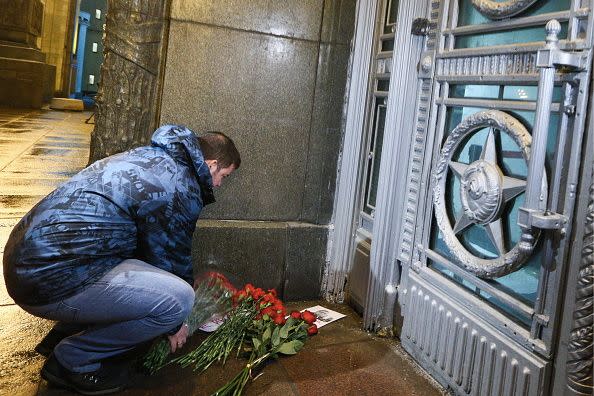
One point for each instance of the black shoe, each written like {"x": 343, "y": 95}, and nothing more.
{"x": 100, "y": 382}
{"x": 53, "y": 338}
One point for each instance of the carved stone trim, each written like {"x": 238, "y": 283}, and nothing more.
{"x": 131, "y": 78}
{"x": 501, "y": 9}
{"x": 507, "y": 261}
{"x": 580, "y": 347}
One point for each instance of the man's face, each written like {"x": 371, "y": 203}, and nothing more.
{"x": 217, "y": 173}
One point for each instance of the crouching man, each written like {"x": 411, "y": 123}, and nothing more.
{"x": 107, "y": 254}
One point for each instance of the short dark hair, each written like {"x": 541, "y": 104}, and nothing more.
{"x": 220, "y": 147}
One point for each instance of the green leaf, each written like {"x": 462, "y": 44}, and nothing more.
{"x": 275, "y": 337}
{"x": 266, "y": 335}
{"x": 290, "y": 348}
{"x": 284, "y": 331}
{"x": 298, "y": 345}
{"x": 256, "y": 342}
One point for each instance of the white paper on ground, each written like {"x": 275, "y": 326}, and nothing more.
{"x": 324, "y": 315}
{"x": 213, "y": 323}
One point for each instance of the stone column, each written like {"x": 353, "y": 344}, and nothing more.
{"x": 26, "y": 78}
{"x": 131, "y": 75}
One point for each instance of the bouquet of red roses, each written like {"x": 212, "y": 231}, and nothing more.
{"x": 258, "y": 325}
{"x": 213, "y": 296}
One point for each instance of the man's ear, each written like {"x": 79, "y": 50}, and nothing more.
{"x": 212, "y": 164}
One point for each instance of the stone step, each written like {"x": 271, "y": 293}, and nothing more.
{"x": 67, "y": 104}
{"x": 25, "y": 83}
{"x": 19, "y": 52}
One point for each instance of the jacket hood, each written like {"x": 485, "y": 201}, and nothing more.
{"x": 183, "y": 146}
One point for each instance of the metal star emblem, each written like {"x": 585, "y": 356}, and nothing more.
{"x": 485, "y": 191}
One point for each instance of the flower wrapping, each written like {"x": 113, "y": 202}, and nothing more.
{"x": 213, "y": 295}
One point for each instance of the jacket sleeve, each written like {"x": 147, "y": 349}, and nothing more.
{"x": 165, "y": 235}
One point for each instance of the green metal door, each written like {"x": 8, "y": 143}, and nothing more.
{"x": 492, "y": 189}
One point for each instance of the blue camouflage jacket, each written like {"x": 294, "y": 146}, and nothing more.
{"x": 143, "y": 204}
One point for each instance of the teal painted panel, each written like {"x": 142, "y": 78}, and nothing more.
{"x": 470, "y": 16}
{"x": 523, "y": 283}
{"x": 516, "y": 36}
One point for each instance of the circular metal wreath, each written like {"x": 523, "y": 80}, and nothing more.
{"x": 483, "y": 193}
{"x": 501, "y": 9}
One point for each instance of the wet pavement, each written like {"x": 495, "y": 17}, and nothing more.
{"x": 38, "y": 151}
{"x": 41, "y": 149}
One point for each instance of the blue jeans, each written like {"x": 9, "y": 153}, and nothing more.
{"x": 131, "y": 304}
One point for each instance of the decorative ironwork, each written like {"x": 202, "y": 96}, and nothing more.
{"x": 128, "y": 96}
{"x": 415, "y": 168}
{"x": 484, "y": 66}
{"x": 485, "y": 190}
{"x": 579, "y": 362}
{"x": 501, "y": 9}
{"x": 421, "y": 27}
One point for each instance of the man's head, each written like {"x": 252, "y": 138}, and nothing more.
{"x": 220, "y": 154}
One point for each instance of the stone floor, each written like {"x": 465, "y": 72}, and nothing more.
{"x": 39, "y": 150}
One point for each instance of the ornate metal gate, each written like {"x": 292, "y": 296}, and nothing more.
{"x": 491, "y": 190}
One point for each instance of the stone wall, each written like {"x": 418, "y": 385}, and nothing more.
{"x": 25, "y": 77}
{"x": 56, "y": 39}
{"x": 271, "y": 74}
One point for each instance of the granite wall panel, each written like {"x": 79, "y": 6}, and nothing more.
{"x": 245, "y": 251}
{"x": 338, "y": 23}
{"x": 259, "y": 90}
{"x": 306, "y": 247}
{"x": 325, "y": 134}
{"x": 270, "y": 74}
{"x": 291, "y": 18}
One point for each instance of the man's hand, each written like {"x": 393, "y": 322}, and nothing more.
{"x": 178, "y": 340}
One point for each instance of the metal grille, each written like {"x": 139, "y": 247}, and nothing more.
{"x": 455, "y": 345}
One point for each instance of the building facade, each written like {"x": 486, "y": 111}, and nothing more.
{"x": 428, "y": 162}
{"x": 463, "y": 217}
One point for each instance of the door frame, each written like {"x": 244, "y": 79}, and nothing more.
{"x": 384, "y": 273}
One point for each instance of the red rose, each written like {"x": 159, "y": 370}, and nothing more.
{"x": 280, "y": 320}
{"x": 296, "y": 314}
{"x": 278, "y": 305}
{"x": 249, "y": 288}
{"x": 311, "y": 330}
{"x": 268, "y": 311}
{"x": 258, "y": 294}
{"x": 218, "y": 275}
{"x": 308, "y": 317}
{"x": 269, "y": 297}
{"x": 240, "y": 296}
{"x": 272, "y": 291}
